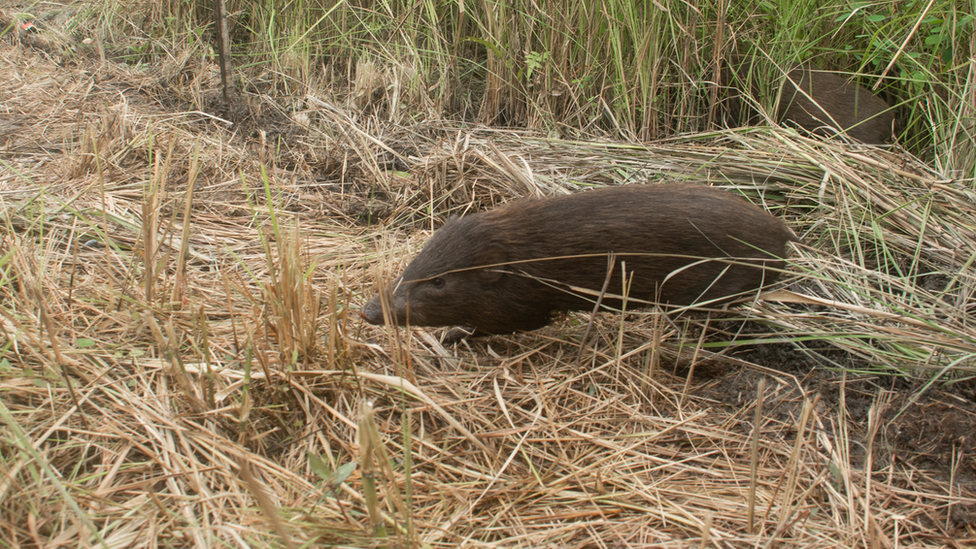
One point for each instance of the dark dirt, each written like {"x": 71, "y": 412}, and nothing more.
{"x": 932, "y": 431}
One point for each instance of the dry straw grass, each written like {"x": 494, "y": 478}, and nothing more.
{"x": 184, "y": 365}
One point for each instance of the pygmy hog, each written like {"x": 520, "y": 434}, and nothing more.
{"x": 509, "y": 269}
{"x": 820, "y": 102}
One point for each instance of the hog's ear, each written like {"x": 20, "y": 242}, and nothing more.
{"x": 493, "y": 254}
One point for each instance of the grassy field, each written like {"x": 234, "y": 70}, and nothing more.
{"x": 180, "y": 280}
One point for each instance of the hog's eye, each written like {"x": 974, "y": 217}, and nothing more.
{"x": 438, "y": 282}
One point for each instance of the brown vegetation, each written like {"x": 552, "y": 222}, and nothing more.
{"x": 180, "y": 358}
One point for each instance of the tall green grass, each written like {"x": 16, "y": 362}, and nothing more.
{"x": 626, "y": 68}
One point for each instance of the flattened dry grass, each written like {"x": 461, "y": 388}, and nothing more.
{"x": 183, "y": 360}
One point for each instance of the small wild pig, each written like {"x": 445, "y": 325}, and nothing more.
{"x": 510, "y": 268}
{"x": 820, "y": 102}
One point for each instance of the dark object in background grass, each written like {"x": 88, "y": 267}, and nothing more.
{"x": 820, "y": 102}
{"x": 511, "y": 268}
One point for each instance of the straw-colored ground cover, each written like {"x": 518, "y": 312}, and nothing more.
{"x": 184, "y": 364}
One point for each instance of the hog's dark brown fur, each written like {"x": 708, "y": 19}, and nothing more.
{"x": 820, "y": 102}
{"x": 656, "y": 230}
